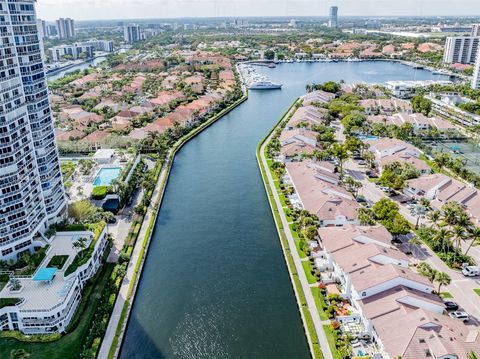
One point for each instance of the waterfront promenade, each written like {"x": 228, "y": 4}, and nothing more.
{"x": 312, "y": 308}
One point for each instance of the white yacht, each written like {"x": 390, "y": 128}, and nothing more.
{"x": 264, "y": 85}
{"x": 255, "y": 81}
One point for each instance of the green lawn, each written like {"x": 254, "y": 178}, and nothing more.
{"x": 318, "y": 302}
{"x": 300, "y": 252}
{"x": 57, "y": 262}
{"x": 306, "y": 267}
{"x": 477, "y": 290}
{"x": 331, "y": 341}
{"x": 445, "y": 295}
{"x": 70, "y": 345}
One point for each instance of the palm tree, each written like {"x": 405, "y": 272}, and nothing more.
{"x": 472, "y": 355}
{"x": 80, "y": 244}
{"x": 427, "y": 271}
{"x": 459, "y": 235}
{"x": 442, "y": 279}
{"x": 340, "y": 152}
{"x": 474, "y": 235}
{"x": 19, "y": 354}
{"x": 434, "y": 217}
{"x": 443, "y": 237}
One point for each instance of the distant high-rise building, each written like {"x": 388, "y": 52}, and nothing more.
{"x": 476, "y": 74}
{"x": 66, "y": 28}
{"x": 32, "y": 195}
{"x": 42, "y": 28}
{"x": 461, "y": 50}
{"x": 51, "y": 30}
{"x": 132, "y": 34}
{"x": 333, "y": 17}
{"x": 476, "y": 30}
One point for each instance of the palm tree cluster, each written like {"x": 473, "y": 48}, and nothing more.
{"x": 434, "y": 275}
{"x": 451, "y": 227}
{"x": 456, "y": 166}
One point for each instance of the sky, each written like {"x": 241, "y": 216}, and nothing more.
{"x": 139, "y": 9}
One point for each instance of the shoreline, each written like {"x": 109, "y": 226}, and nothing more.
{"x": 316, "y": 338}
{"x": 113, "y": 339}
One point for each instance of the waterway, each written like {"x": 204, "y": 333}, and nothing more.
{"x": 82, "y": 66}
{"x": 215, "y": 284}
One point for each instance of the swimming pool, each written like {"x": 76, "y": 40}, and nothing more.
{"x": 106, "y": 176}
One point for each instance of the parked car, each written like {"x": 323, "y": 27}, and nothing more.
{"x": 463, "y": 316}
{"x": 112, "y": 220}
{"x": 361, "y": 199}
{"x": 471, "y": 271}
{"x": 362, "y": 163}
{"x": 364, "y": 336}
{"x": 449, "y": 305}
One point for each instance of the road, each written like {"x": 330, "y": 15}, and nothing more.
{"x": 317, "y": 322}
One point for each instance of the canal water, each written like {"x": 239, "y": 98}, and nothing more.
{"x": 215, "y": 283}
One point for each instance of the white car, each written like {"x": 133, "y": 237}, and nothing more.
{"x": 460, "y": 315}
{"x": 471, "y": 271}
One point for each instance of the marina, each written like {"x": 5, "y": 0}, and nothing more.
{"x": 253, "y": 80}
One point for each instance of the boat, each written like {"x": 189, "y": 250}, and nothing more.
{"x": 255, "y": 81}
{"x": 264, "y": 85}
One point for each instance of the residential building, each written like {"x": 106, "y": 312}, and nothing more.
{"x": 30, "y": 179}
{"x": 333, "y": 17}
{"x": 461, "y": 50}
{"x": 475, "y": 30}
{"x": 52, "y": 31}
{"x": 48, "y": 300}
{"x": 407, "y": 89}
{"x": 132, "y": 34}
{"x": 66, "y": 28}
{"x": 317, "y": 97}
{"x": 390, "y": 303}
{"x": 450, "y": 112}
{"x": 297, "y": 142}
{"x": 70, "y": 52}
{"x": 316, "y": 190}
{"x": 100, "y": 45}
{"x": 476, "y": 73}
{"x": 42, "y": 28}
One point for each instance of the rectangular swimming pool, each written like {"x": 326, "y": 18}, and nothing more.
{"x": 106, "y": 176}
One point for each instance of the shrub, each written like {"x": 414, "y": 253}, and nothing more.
{"x": 100, "y": 192}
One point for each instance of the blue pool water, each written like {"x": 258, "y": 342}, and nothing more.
{"x": 106, "y": 176}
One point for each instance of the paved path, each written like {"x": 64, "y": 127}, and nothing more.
{"x": 317, "y": 322}
{"x": 123, "y": 293}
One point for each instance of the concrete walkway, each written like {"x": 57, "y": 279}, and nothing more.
{"x": 135, "y": 258}
{"x": 317, "y": 322}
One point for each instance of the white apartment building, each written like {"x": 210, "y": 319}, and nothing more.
{"x": 476, "y": 73}
{"x": 476, "y": 30}
{"x": 65, "y": 28}
{"x": 47, "y": 301}
{"x": 461, "y": 50}
{"x": 42, "y": 28}
{"x": 132, "y": 34}
{"x": 70, "y": 52}
{"x": 32, "y": 194}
